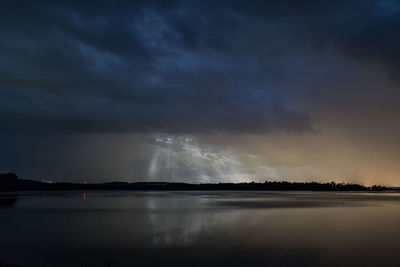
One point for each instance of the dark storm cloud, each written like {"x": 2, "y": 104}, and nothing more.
{"x": 127, "y": 67}
{"x": 363, "y": 29}
{"x": 174, "y": 66}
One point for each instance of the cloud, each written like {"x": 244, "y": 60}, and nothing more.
{"x": 140, "y": 67}
{"x": 363, "y": 30}
{"x": 86, "y": 79}
{"x": 175, "y": 66}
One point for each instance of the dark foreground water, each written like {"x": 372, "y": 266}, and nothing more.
{"x": 200, "y": 229}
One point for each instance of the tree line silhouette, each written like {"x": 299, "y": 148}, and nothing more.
{"x": 11, "y": 182}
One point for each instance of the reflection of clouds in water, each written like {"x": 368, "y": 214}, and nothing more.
{"x": 182, "y": 226}
{"x": 174, "y": 222}
{"x": 168, "y": 231}
{"x": 214, "y": 228}
{"x": 182, "y": 157}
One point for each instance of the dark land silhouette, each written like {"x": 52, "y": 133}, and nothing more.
{"x": 11, "y": 182}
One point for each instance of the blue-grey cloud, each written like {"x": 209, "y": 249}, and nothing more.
{"x": 140, "y": 66}
{"x": 235, "y": 68}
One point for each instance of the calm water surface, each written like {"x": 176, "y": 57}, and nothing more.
{"x": 200, "y": 229}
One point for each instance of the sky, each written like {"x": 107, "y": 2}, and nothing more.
{"x": 201, "y": 91}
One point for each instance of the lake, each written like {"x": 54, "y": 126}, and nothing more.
{"x": 127, "y": 228}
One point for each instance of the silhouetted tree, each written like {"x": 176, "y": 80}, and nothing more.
{"x": 8, "y": 181}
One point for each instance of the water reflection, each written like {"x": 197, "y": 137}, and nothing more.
{"x": 201, "y": 229}
{"x": 167, "y": 230}
{"x": 7, "y": 201}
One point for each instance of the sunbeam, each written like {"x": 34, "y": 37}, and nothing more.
{"x": 182, "y": 158}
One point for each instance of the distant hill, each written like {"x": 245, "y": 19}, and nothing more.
{"x": 11, "y": 182}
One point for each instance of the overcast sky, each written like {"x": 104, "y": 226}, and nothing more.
{"x": 201, "y": 91}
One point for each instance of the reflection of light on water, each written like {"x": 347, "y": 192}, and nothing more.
{"x": 182, "y": 157}
{"x": 84, "y": 196}
{"x": 173, "y": 221}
